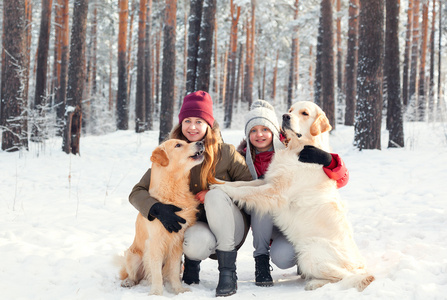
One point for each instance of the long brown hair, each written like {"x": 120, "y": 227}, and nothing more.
{"x": 212, "y": 139}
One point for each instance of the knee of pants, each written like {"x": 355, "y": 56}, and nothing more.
{"x": 283, "y": 254}
{"x": 215, "y": 200}
{"x": 199, "y": 242}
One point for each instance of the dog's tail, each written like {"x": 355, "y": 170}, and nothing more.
{"x": 359, "y": 281}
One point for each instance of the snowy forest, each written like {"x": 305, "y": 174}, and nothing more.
{"x": 91, "y": 67}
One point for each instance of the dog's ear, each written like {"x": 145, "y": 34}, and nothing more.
{"x": 320, "y": 125}
{"x": 160, "y": 157}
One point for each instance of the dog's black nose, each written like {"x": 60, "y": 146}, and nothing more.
{"x": 286, "y": 117}
{"x": 201, "y": 146}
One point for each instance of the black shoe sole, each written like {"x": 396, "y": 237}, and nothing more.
{"x": 225, "y": 295}
{"x": 264, "y": 284}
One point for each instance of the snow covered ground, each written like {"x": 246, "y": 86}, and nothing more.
{"x": 63, "y": 219}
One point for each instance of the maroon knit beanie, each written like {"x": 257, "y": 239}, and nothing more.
{"x": 197, "y": 105}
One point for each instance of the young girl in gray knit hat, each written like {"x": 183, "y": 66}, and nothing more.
{"x": 262, "y": 139}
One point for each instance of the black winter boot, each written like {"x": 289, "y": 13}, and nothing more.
{"x": 262, "y": 272}
{"x": 227, "y": 285}
{"x": 191, "y": 271}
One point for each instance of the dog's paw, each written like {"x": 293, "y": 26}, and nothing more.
{"x": 315, "y": 284}
{"x": 128, "y": 283}
{"x": 156, "y": 290}
{"x": 181, "y": 289}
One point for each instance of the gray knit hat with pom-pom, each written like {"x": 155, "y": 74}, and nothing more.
{"x": 261, "y": 113}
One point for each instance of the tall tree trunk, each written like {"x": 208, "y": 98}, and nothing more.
{"x": 369, "y": 75}
{"x": 94, "y": 48}
{"x": 216, "y": 61}
{"x": 205, "y": 45}
{"x": 422, "y": 99}
{"x": 250, "y": 60}
{"x": 140, "y": 107}
{"x": 239, "y": 74}
{"x": 318, "y": 64}
{"x": 168, "y": 79}
{"x": 392, "y": 75}
{"x": 76, "y": 78}
{"x": 42, "y": 55}
{"x": 327, "y": 62}
{"x": 13, "y": 104}
{"x": 157, "y": 70}
{"x": 412, "y": 97}
{"x": 235, "y": 13}
{"x": 340, "y": 92}
{"x": 407, "y": 56}
{"x": 57, "y": 50}
{"x": 122, "y": 110}
{"x": 293, "y": 70}
{"x": 438, "y": 106}
{"x": 351, "y": 63}
{"x": 195, "y": 19}
{"x": 40, "y": 95}
{"x": 149, "y": 100}
{"x": 61, "y": 92}
{"x": 431, "y": 95}
{"x": 130, "y": 56}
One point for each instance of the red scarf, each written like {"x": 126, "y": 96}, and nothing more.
{"x": 262, "y": 161}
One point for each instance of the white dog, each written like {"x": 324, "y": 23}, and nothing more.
{"x": 305, "y": 204}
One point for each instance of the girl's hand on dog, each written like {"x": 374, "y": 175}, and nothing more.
{"x": 200, "y": 196}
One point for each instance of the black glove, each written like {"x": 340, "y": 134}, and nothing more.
{"x": 167, "y": 216}
{"x": 311, "y": 154}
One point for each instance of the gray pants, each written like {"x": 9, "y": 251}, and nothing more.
{"x": 225, "y": 228}
{"x": 281, "y": 250}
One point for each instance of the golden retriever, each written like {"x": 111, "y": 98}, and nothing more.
{"x": 156, "y": 253}
{"x": 305, "y": 204}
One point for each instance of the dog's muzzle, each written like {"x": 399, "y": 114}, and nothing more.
{"x": 200, "y": 149}
{"x": 286, "y": 124}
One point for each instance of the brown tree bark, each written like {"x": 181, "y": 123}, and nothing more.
{"x": 293, "y": 69}
{"x": 412, "y": 97}
{"x": 422, "y": 99}
{"x": 168, "y": 77}
{"x": 130, "y": 56}
{"x": 431, "y": 95}
{"x": 318, "y": 72}
{"x": 392, "y": 75}
{"x": 94, "y": 49}
{"x": 250, "y": 56}
{"x": 369, "y": 75}
{"x": 205, "y": 45}
{"x": 57, "y": 49}
{"x": 407, "y": 56}
{"x": 13, "y": 104}
{"x": 351, "y": 63}
{"x": 327, "y": 62}
{"x": 340, "y": 92}
{"x": 65, "y": 36}
{"x": 40, "y": 95}
{"x": 140, "y": 107}
{"x": 235, "y": 12}
{"x": 239, "y": 74}
{"x": 149, "y": 100}
{"x": 438, "y": 106}
{"x": 195, "y": 19}
{"x": 121, "y": 101}
{"x": 42, "y": 55}
{"x": 76, "y": 79}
